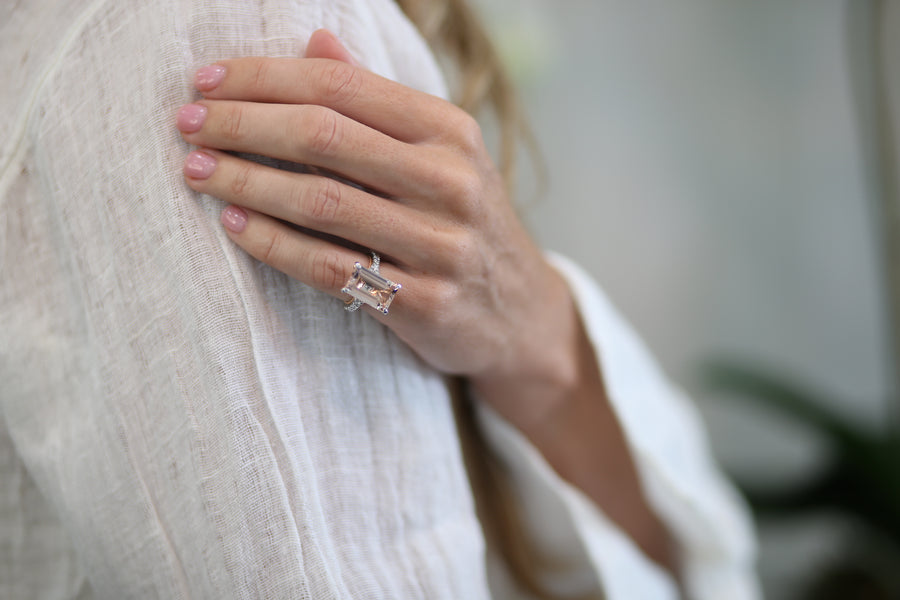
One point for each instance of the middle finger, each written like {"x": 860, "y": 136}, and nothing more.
{"x": 311, "y": 135}
{"x": 315, "y": 202}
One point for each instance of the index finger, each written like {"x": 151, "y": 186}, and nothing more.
{"x": 401, "y": 112}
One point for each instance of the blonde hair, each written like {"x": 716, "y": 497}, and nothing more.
{"x": 454, "y": 31}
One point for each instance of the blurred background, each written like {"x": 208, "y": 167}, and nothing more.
{"x": 719, "y": 166}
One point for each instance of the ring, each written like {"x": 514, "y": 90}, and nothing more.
{"x": 367, "y": 286}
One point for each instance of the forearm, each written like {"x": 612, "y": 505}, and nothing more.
{"x": 556, "y": 398}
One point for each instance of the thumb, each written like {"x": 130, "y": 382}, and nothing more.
{"x": 324, "y": 44}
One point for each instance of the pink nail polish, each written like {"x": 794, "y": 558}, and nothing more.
{"x": 234, "y": 219}
{"x": 199, "y": 165}
{"x": 208, "y": 77}
{"x": 191, "y": 117}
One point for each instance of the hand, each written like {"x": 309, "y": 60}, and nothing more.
{"x": 478, "y": 299}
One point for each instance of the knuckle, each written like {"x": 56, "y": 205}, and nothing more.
{"x": 443, "y": 249}
{"x": 341, "y": 82}
{"x": 232, "y": 123}
{"x": 325, "y": 201}
{"x": 325, "y": 133}
{"x": 462, "y": 188}
{"x": 327, "y": 271}
{"x": 258, "y": 73}
{"x": 468, "y": 132}
{"x": 463, "y": 249}
{"x": 271, "y": 249}
{"x": 240, "y": 184}
{"x": 442, "y": 298}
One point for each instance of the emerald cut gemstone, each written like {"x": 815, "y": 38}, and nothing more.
{"x": 369, "y": 287}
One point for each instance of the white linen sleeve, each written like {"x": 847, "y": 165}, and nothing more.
{"x": 706, "y": 517}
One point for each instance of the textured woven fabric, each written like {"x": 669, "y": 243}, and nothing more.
{"x": 179, "y": 420}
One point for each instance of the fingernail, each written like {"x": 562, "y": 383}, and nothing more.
{"x": 191, "y": 117}
{"x": 208, "y": 77}
{"x": 199, "y": 165}
{"x": 234, "y": 219}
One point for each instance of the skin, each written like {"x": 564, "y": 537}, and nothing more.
{"x": 478, "y": 299}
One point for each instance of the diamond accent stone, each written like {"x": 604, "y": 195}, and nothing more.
{"x": 369, "y": 287}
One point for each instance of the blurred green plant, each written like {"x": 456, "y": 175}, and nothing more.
{"x": 861, "y": 481}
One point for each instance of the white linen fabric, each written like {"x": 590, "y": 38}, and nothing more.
{"x": 178, "y": 420}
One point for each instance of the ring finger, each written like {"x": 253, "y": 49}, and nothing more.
{"x": 319, "y": 263}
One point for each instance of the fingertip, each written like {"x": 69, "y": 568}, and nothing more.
{"x": 325, "y": 44}
{"x": 190, "y": 117}
{"x": 234, "y": 218}
{"x": 209, "y": 77}
{"x": 199, "y": 165}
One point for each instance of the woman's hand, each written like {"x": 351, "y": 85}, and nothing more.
{"x": 478, "y": 298}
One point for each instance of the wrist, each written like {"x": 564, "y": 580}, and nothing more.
{"x": 553, "y": 393}
{"x": 544, "y": 367}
